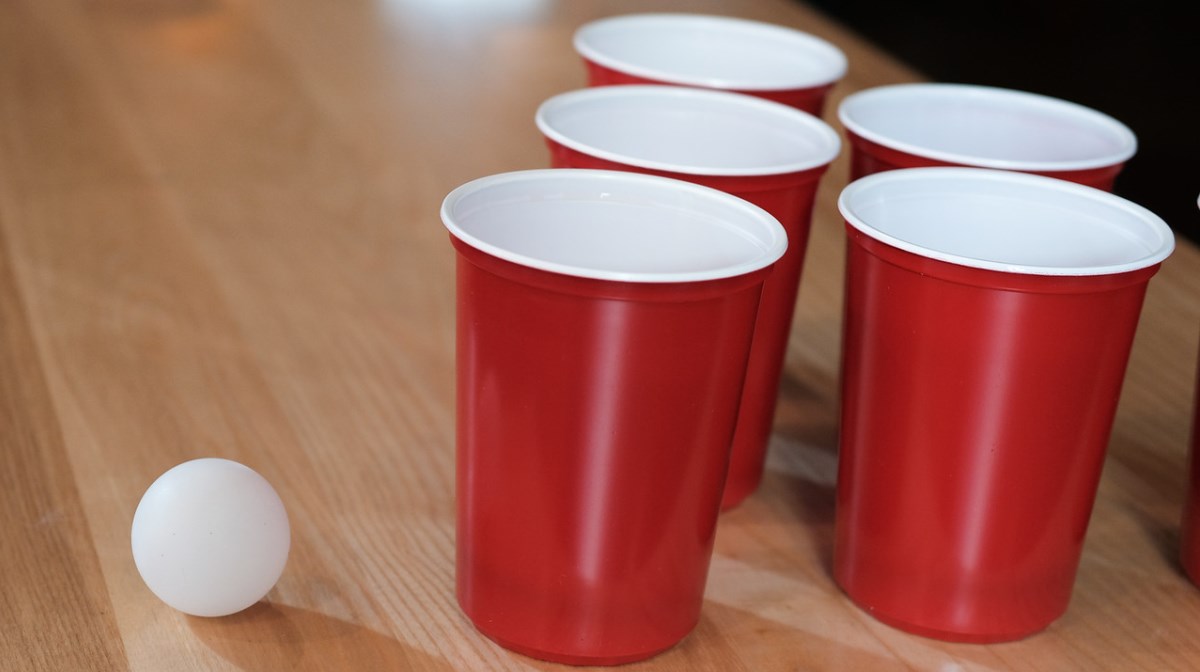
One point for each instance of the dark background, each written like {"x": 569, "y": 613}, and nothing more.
{"x": 1136, "y": 60}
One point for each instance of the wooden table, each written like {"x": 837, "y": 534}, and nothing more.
{"x": 219, "y": 236}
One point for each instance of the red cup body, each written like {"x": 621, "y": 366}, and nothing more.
{"x": 977, "y": 407}
{"x": 789, "y": 198}
{"x": 868, "y": 158}
{"x": 810, "y": 99}
{"x": 1189, "y": 543}
{"x": 594, "y": 420}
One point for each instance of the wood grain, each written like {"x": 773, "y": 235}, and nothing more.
{"x": 219, "y": 237}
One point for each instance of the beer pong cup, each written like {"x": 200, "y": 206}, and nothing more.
{"x": 1189, "y": 542}
{"x": 604, "y": 321}
{"x": 766, "y": 153}
{"x": 918, "y": 125}
{"x": 713, "y": 52}
{"x": 989, "y": 317}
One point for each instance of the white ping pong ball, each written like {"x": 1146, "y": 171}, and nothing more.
{"x": 210, "y": 537}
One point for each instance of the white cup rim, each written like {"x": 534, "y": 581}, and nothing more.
{"x": 1123, "y": 140}
{"x": 822, "y": 52}
{"x": 718, "y": 218}
{"x": 1050, "y": 213}
{"x": 768, "y": 114}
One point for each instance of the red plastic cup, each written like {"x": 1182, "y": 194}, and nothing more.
{"x": 713, "y": 52}
{"x": 920, "y": 125}
{"x": 604, "y": 321}
{"x": 766, "y": 153}
{"x": 989, "y": 317}
{"x": 1189, "y": 543}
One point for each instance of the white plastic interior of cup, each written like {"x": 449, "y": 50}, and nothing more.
{"x": 692, "y": 131}
{"x": 613, "y": 225}
{"x": 714, "y": 51}
{"x": 1006, "y": 221}
{"x": 987, "y": 127}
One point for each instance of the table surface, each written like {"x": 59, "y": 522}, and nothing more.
{"x": 219, "y": 236}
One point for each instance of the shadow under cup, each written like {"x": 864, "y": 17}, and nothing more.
{"x": 604, "y": 321}
{"x": 768, "y": 154}
{"x": 924, "y": 125}
{"x": 989, "y": 318}
{"x": 713, "y": 52}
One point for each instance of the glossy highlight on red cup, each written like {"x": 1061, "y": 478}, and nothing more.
{"x": 604, "y": 322}
{"x": 777, "y": 63}
{"x": 988, "y": 321}
{"x": 924, "y": 125}
{"x": 768, "y": 154}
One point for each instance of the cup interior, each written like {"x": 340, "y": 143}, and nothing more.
{"x": 712, "y": 51}
{"x": 689, "y": 131}
{"x": 613, "y": 226}
{"x": 1005, "y": 221}
{"x": 987, "y": 127}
